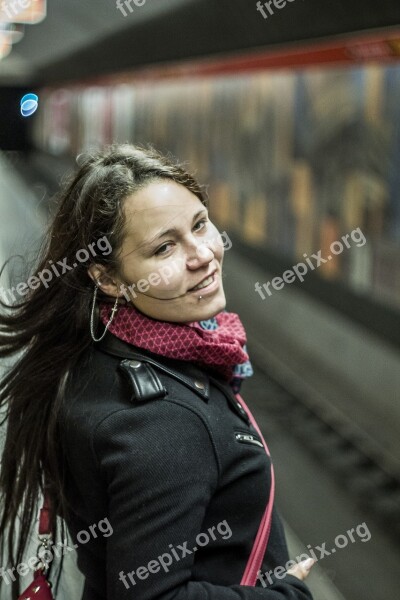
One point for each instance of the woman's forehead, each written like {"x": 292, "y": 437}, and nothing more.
{"x": 158, "y": 207}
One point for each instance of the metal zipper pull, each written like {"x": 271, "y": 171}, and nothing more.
{"x": 248, "y": 438}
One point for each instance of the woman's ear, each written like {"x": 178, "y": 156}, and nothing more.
{"x": 105, "y": 282}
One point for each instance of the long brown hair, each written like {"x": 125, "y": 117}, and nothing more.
{"x": 48, "y": 330}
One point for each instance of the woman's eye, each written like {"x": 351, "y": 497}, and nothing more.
{"x": 201, "y": 222}
{"x": 199, "y": 225}
{"x": 161, "y": 249}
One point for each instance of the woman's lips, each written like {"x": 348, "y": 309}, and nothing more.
{"x": 208, "y": 289}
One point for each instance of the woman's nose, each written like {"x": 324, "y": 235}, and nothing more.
{"x": 200, "y": 255}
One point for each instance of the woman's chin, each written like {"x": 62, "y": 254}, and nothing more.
{"x": 206, "y": 309}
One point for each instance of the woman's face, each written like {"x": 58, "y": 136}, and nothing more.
{"x": 170, "y": 246}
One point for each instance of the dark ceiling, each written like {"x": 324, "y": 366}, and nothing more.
{"x": 105, "y": 41}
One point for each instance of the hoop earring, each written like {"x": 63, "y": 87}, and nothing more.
{"x": 114, "y": 310}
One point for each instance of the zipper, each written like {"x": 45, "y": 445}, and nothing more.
{"x": 248, "y": 438}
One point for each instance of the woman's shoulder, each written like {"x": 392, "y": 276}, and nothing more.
{"x": 121, "y": 377}
{"x": 88, "y": 397}
{"x": 102, "y": 411}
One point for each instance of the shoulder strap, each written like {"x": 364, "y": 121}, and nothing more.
{"x": 145, "y": 382}
{"x": 260, "y": 543}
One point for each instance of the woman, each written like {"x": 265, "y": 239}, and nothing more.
{"x": 123, "y": 399}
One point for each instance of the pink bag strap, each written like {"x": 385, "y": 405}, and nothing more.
{"x": 260, "y": 543}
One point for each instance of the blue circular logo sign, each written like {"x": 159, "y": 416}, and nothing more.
{"x": 29, "y": 104}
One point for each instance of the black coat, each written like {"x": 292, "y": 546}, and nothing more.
{"x": 155, "y": 469}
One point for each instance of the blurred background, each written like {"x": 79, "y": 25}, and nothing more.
{"x": 290, "y": 113}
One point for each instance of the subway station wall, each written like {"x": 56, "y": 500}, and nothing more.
{"x": 294, "y": 159}
{"x": 14, "y": 131}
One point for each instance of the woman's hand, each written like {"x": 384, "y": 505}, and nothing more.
{"x": 302, "y": 569}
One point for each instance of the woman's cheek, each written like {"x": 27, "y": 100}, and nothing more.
{"x": 216, "y": 242}
{"x": 168, "y": 275}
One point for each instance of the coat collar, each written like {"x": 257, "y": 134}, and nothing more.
{"x": 186, "y": 372}
{"x": 149, "y": 385}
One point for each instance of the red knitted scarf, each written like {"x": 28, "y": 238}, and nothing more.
{"x": 218, "y": 342}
